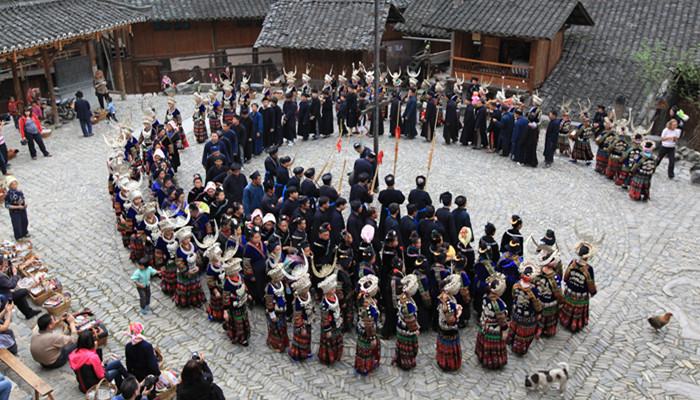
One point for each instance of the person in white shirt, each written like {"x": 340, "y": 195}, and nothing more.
{"x": 669, "y": 137}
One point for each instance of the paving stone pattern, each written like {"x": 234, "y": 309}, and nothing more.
{"x": 646, "y": 265}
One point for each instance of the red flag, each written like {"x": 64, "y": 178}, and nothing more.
{"x": 380, "y": 157}
{"x": 397, "y": 132}
{"x": 337, "y": 145}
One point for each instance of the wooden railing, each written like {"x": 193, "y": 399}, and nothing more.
{"x": 507, "y": 74}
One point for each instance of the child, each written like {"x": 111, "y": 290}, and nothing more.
{"x": 110, "y": 109}
{"x": 142, "y": 280}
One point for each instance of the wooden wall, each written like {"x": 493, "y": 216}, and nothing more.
{"x": 490, "y": 48}
{"x": 539, "y": 57}
{"x": 555, "y": 49}
{"x": 201, "y": 37}
{"x": 322, "y": 61}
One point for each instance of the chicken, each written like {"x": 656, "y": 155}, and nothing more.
{"x": 659, "y": 321}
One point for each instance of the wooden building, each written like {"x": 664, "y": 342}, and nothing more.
{"x": 515, "y": 43}
{"x": 184, "y": 38}
{"x": 39, "y": 34}
{"x": 325, "y": 33}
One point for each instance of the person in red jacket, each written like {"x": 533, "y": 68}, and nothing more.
{"x": 88, "y": 366}
{"x": 30, "y": 129}
{"x": 13, "y": 109}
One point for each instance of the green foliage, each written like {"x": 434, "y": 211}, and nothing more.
{"x": 658, "y": 63}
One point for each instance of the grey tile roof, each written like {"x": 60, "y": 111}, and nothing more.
{"x": 419, "y": 13}
{"x": 528, "y": 19}
{"x": 344, "y": 25}
{"x": 402, "y": 4}
{"x": 597, "y": 62}
{"x": 27, "y": 24}
{"x": 193, "y": 10}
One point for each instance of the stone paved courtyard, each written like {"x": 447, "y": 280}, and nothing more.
{"x": 646, "y": 265}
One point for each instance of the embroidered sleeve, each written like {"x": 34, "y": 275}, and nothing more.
{"x": 424, "y": 292}
{"x": 226, "y": 296}
{"x": 159, "y": 258}
{"x": 269, "y": 299}
{"x": 298, "y": 317}
{"x": 247, "y": 268}
{"x": 211, "y": 282}
{"x": 500, "y": 314}
{"x": 326, "y": 319}
{"x": 464, "y": 290}
{"x": 180, "y": 263}
{"x": 409, "y": 317}
{"x": 590, "y": 282}
{"x": 556, "y": 290}
{"x": 368, "y": 321}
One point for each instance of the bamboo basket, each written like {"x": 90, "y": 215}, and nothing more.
{"x": 40, "y": 298}
{"x": 98, "y": 392}
{"x": 169, "y": 393}
{"x": 159, "y": 357}
{"x": 61, "y": 308}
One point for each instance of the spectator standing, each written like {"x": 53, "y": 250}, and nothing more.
{"x": 49, "y": 348}
{"x": 13, "y": 109}
{"x": 669, "y": 138}
{"x": 253, "y": 194}
{"x": 82, "y": 109}
{"x": 17, "y": 205}
{"x": 30, "y": 129}
{"x": 4, "y": 160}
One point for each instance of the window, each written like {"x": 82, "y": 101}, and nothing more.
{"x": 182, "y": 25}
{"x": 161, "y": 26}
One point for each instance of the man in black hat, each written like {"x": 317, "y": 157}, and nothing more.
{"x": 351, "y": 102}
{"x": 355, "y": 224}
{"x": 216, "y": 172}
{"x": 474, "y": 86}
{"x": 446, "y": 219}
{"x": 272, "y": 162}
{"x": 282, "y": 176}
{"x": 494, "y": 128}
{"x": 289, "y": 119}
{"x": 214, "y": 146}
{"x": 551, "y": 138}
{"x": 314, "y": 114}
{"x": 430, "y": 116}
{"x": 249, "y": 125}
{"x": 304, "y": 210}
{"x": 518, "y": 131}
{"x": 480, "y": 140}
{"x": 391, "y": 222}
{"x": 308, "y": 188}
{"x": 234, "y": 184}
{"x": 409, "y": 115}
{"x": 420, "y": 197}
{"x": 326, "y": 122}
{"x": 321, "y": 245}
{"x": 361, "y": 149}
{"x": 228, "y": 136}
{"x": 297, "y": 178}
{"x": 253, "y": 194}
{"x": 386, "y": 197}
{"x": 327, "y": 189}
{"x": 407, "y": 224}
{"x": 461, "y": 216}
{"x": 451, "y": 128}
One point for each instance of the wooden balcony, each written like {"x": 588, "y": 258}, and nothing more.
{"x": 519, "y": 76}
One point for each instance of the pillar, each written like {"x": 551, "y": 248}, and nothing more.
{"x": 49, "y": 81}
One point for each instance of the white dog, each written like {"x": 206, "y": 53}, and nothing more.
{"x": 543, "y": 379}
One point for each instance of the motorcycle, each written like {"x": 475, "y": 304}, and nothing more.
{"x": 65, "y": 108}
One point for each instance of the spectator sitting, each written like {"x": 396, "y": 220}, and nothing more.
{"x": 8, "y": 288}
{"x": 5, "y": 388}
{"x": 88, "y": 366}
{"x": 7, "y": 337}
{"x": 130, "y": 389}
{"x": 49, "y": 348}
{"x": 140, "y": 358}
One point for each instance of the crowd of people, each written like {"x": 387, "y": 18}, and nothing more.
{"x": 280, "y": 243}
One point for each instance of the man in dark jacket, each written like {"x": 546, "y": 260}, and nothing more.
{"x": 321, "y": 216}
{"x": 420, "y": 197}
{"x": 268, "y": 114}
{"x": 249, "y": 125}
{"x": 351, "y": 101}
{"x": 391, "y": 222}
{"x": 314, "y": 114}
{"x": 446, "y": 219}
{"x": 355, "y": 224}
{"x": 506, "y": 132}
{"x": 289, "y": 119}
{"x": 337, "y": 221}
{"x": 407, "y": 224}
{"x": 362, "y": 165}
{"x": 494, "y": 129}
{"x": 386, "y": 197}
{"x": 426, "y": 228}
{"x": 326, "y": 123}
{"x": 82, "y": 110}
{"x": 276, "y": 128}
{"x": 234, "y": 184}
{"x": 461, "y": 216}
{"x": 327, "y": 189}
{"x": 518, "y": 132}
{"x": 429, "y": 118}
{"x": 270, "y": 203}
{"x": 409, "y": 115}
{"x": 551, "y": 138}
{"x": 480, "y": 140}
{"x": 394, "y": 112}
{"x": 303, "y": 117}
{"x": 272, "y": 162}
{"x": 241, "y": 138}
{"x": 468, "y": 128}
{"x": 451, "y": 127}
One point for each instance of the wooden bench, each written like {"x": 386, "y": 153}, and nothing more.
{"x": 40, "y": 387}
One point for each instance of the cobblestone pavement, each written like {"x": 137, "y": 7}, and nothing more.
{"x": 646, "y": 265}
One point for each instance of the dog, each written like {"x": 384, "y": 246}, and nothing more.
{"x": 543, "y": 379}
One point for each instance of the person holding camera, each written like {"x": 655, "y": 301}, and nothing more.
{"x": 49, "y": 348}
{"x": 131, "y": 388}
{"x": 7, "y": 337}
{"x": 89, "y": 367}
{"x": 197, "y": 381}
{"x": 30, "y": 129}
